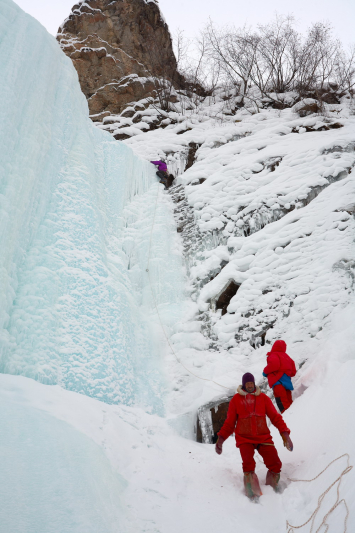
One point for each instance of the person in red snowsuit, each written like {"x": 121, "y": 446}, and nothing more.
{"x": 279, "y": 370}
{"x": 246, "y": 417}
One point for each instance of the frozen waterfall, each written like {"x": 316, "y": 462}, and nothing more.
{"x": 77, "y": 211}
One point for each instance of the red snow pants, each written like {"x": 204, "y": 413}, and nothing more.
{"x": 267, "y": 452}
{"x": 283, "y": 397}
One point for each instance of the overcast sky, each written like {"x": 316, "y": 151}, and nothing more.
{"x": 190, "y": 15}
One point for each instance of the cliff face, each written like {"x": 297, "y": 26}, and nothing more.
{"x": 115, "y": 46}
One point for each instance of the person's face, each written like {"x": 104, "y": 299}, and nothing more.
{"x": 250, "y": 386}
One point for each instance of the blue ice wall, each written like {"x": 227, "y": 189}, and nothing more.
{"x": 54, "y": 478}
{"x": 76, "y": 214}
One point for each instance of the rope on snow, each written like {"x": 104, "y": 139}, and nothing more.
{"x": 291, "y": 528}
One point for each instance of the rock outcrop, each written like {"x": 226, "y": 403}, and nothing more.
{"x": 117, "y": 46}
{"x": 210, "y": 419}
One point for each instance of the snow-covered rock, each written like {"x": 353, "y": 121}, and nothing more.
{"x": 112, "y": 46}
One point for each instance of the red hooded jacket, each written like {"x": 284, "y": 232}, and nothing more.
{"x": 248, "y": 412}
{"x": 279, "y": 363}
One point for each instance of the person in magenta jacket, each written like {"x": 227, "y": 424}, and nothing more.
{"x": 246, "y": 418}
{"x": 165, "y": 178}
{"x": 161, "y": 166}
{"x": 162, "y": 172}
{"x": 279, "y": 370}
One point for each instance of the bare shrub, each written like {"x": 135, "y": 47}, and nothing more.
{"x": 317, "y": 59}
{"x": 252, "y": 67}
{"x": 234, "y": 51}
{"x": 276, "y": 59}
{"x": 165, "y": 73}
{"x": 278, "y": 56}
{"x": 344, "y": 69}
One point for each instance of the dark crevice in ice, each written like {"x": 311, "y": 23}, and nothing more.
{"x": 224, "y": 298}
{"x": 210, "y": 419}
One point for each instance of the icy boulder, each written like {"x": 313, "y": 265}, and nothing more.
{"x": 80, "y": 217}
{"x": 60, "y": 479}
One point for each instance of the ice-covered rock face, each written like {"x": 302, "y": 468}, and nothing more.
{"x": 276, "y": 221}
{"x": 113, "y": 47}
{"x": 77, "y": 211}
{"x": 265, "y": 206}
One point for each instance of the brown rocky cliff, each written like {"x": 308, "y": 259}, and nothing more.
{"x": 115, "y": 47}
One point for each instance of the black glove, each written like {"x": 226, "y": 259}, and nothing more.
{"x": 219, "y": 445}
{"x": 287, "y": 441}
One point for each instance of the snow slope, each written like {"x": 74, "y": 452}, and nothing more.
{"x": 270, "y": 203}
{"x": 157, "y": 480}
{"x": 271, "y": 199}
{"x": 103, "y": 440}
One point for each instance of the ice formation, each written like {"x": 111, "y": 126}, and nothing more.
{"x": 55, "y": 478}
{"x": 80, "y": 216}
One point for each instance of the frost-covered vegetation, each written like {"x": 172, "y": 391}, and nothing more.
{"x": 254, "y": 69}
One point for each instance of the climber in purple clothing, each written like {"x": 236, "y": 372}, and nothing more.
{"x": 162, "y": 172}
{"x": 161, "y": 165}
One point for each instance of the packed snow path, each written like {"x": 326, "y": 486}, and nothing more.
{"x": 96, "y": 447}
{"x": 160, "y": 482}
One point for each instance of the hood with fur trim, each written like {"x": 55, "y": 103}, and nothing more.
{"x": 242, "y": 392}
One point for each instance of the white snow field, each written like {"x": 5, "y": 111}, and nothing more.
{"x": 96, "y": 412}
